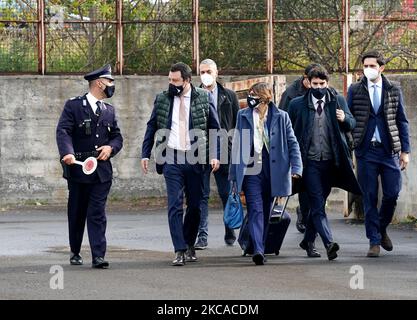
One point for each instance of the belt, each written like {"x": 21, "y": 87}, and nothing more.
{"x": 178, "y": 156}
{"x": 376, "y": 144}
{"x": 177, "y": 151}
{"x": 84, "y": 155}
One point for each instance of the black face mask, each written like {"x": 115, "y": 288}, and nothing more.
{"x": 318, "y": 93}
{"x": 175, "y": 90}
{"x": 253, "y": 102}
{"x": 109, "y": 91}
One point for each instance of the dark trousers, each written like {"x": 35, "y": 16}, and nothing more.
{"x": 183, "y": 179}
{"x": 257, "y": 189}
{"x": 304, "y": 205}
{"x": 223, "y": 188}
{"x": 377, "y": 162}
{"x": 317, "y": 175}
{"x": 87, "y": 202}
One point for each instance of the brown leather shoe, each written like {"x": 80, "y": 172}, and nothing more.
{"x": 386, "y": 241}
{"x": 373, "y": 251}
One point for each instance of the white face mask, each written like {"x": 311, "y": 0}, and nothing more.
{"x": 371, "y": 73}
{"x": 207, "y": 79}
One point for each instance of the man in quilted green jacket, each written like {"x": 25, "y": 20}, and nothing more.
{"x": 181, "y": 119}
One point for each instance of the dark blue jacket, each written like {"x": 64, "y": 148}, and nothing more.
{"x": 71, "y": 137}
{"x": 284, "y": 154}
{"x": 302, "y": 114}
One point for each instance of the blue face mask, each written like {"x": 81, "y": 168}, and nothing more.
{"x": 252, "y": 102}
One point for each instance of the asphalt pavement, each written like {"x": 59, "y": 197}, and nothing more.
{"x": 34, "y": 250}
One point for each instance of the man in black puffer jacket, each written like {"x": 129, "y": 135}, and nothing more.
{"x": 382, "y": 146}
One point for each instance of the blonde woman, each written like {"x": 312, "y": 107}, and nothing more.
{"x": 265, "y": 158}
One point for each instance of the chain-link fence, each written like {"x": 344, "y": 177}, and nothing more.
{"x": 242, "y": 36}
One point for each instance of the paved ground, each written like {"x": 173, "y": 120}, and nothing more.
{"x": 31, "y": 241}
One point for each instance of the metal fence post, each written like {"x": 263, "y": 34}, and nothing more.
{"x": 41, "y": 37}
{"x": 119, "y": 37}
{"x": 196, "y": 36}
{"x": 270, "y": 37}
{"x": 345, "y": 44}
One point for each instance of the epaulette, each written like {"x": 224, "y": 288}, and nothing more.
{"x": 106, "y": 105}
{"x": 76, "y": 98}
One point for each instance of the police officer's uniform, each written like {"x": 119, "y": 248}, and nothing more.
{"x": 80, "y": 132}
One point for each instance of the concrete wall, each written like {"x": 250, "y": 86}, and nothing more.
{"x": 407, "y": 204}
{"x": 29, "y": 109}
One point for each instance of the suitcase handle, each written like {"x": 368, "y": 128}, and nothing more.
{"x": 277, "y": 211}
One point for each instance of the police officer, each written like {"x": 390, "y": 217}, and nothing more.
{"x": 88, "y": 128}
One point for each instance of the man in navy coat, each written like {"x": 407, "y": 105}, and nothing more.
{"x": 88, "y": 128}
{"x": 321, "y": 120}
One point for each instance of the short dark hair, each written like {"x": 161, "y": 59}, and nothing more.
{"x": 309, "y": 67}
{"x": 185, "y": 70}
{"x": 318, "y": 72}
{"x": 374, "y": 54}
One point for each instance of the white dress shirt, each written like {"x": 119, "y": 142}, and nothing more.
{"x": 92, "y": 100}
{"x": 257, "y": 139}
{"x": 315, "y": 102}
{"x": 174, "y": 138}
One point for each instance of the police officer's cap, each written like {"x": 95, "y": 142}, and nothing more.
{"x": 104, "y": 72}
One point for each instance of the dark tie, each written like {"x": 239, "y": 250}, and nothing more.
{"x": 98, "y": 111}
{"x": 319, "y": 107}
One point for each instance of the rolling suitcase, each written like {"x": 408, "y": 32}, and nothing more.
{"x": 276, "y": 228}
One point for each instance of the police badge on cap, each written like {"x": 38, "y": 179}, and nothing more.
{"x": 104, "y": 72}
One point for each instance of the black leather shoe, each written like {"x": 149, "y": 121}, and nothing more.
{"x": 310, "y": 248}
{"x": 76, "y": 260}
{"x": 179, "y": 258}
{"x": 332, "y": 249}
{"x": 190, "y": 255}
{"x": 300, "y": 221}
{"x": 100, "y": 263}
{"x": 259, "y": 259}
{"x": 229, "y": 237}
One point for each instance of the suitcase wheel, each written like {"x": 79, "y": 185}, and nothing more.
{"x": 277, "y": 253}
